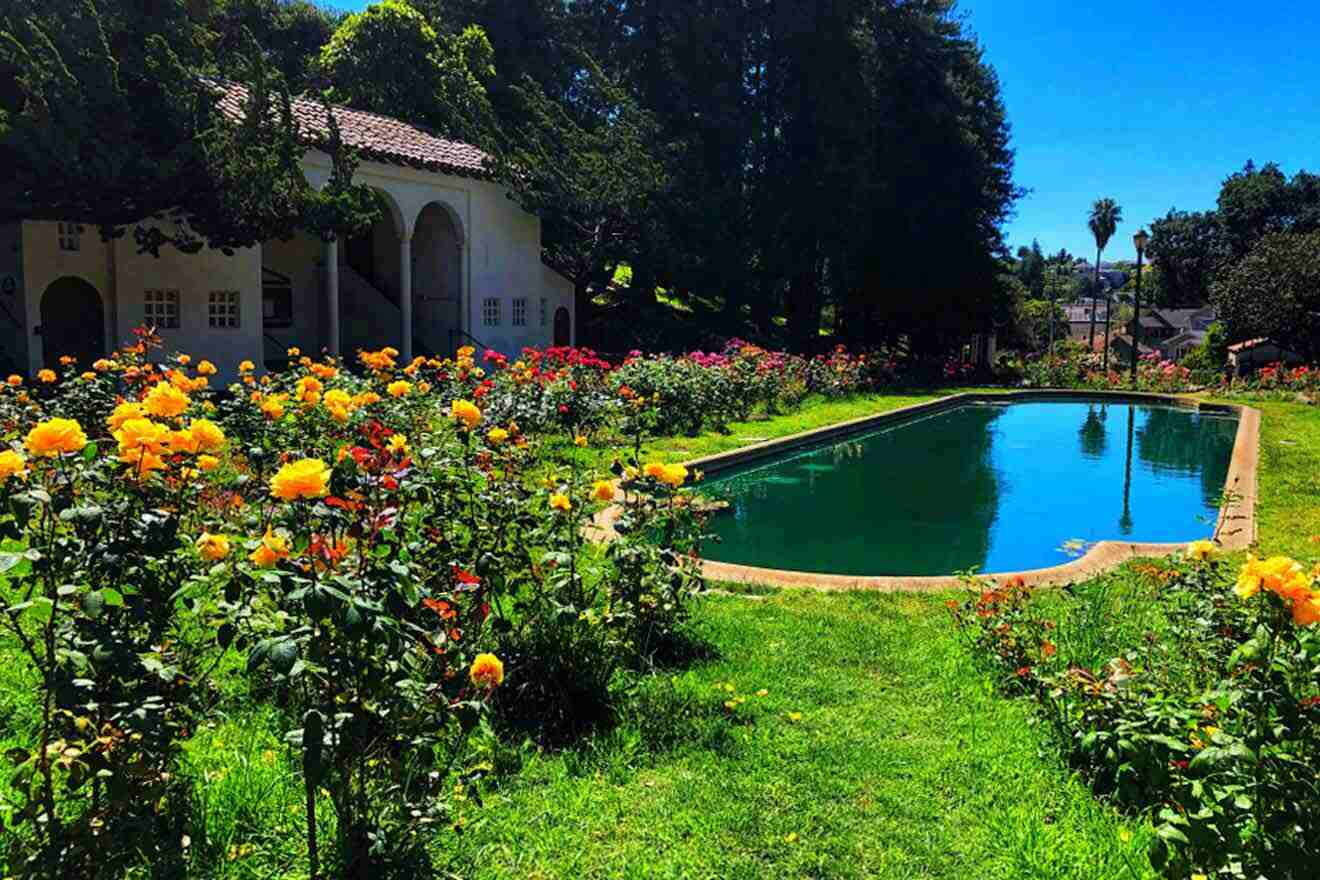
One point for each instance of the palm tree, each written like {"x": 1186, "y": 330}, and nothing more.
{"x": 1104, "y": 219}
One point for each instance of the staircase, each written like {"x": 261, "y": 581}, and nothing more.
{"x": 369, "y": 315}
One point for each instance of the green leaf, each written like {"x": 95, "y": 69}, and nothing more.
{"x": 283, "y": 654}
{"x": 89, "y": 452}
{"x": 112, "y": 597}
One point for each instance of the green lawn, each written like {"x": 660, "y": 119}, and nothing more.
{"x": 904, "y": 763}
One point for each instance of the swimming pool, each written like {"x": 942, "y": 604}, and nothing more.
{"x": 985, "y": 485}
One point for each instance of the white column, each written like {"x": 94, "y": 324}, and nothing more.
{"x": 405, "y": 298}
{"x": 332, "y": 296}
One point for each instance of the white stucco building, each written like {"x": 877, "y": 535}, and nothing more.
{"x": 465, "y": 257}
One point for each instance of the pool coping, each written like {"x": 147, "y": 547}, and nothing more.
{"x": 1235, "y": 526}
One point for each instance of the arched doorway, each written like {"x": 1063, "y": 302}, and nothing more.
{"x": 369, "y": 281}
{"x": 437, "y": 279}
{"x": 563, "y": 327}
{"x": 72, "y": 322}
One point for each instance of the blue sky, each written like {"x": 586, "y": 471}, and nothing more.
{"x": 1151, "y": 103}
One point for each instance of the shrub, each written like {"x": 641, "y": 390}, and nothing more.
{"x": 377, "y": 546}
{"x": 1208, "y": 720}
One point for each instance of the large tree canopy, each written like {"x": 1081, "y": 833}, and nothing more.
{"x": 109, "y": 118}
{"x": 781, "y": 167}
{"x": 1274, "y": 292}
{"x": 389, "y": 59}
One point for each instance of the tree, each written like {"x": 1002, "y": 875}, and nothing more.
{"x": 1274, "y": 292}
{"x": 107, "y": 118}
{"x": 1103, "y": 221}
{"x": 1031, "y": 269}
{"x": 389, "y": 59}
{"x": 1188, "y": 249}
{"x": 588, "y": 179}
{"x": 289, "y": 32}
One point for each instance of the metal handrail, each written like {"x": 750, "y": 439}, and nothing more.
{"x": 463, "y": 334}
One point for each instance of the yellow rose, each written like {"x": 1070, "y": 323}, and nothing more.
{"x": 1201, "y": 551}
{"x": 308, "y": 478}
{"x": 399, "y": 388}
{"x": 185, "y": 359}
{"x": 212, "y": 548}
{"x": 88, "y": 376}
{"x": 206, "y": 368}
{"x": 487, "y": 671}
{"x": 55, "y": 436}
{"x": 246, "y": 366}
{"x": 165, "y": 401}
{"x": 559, "y": 501}
{"x": 142, "y": 462}
{"x": 183, "y": 443}
{"x": 466, "y": 412}
{"x": 337, "y": 398}
{"x": 14, "y": 381}
{"x": 271, "y": 550}
{"x": 136, "y": 434}
{"x": 46, "y": 376}
{"x": 123, "y": 412}
{"x": 496, "y": 436}
{"x": 580, "y": 441}
{"x": 103, "y": 364}
{"x": 273, "y": 407}
{"x": 207, "y": 435}
{"x": 208, "y": 463}
{"x": 294, "y": 352}
{"x": 398, "y": 444}
{"x": 12, "y": 464}
{"x": 602, "y": 490}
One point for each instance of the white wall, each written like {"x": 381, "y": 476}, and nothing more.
{"x": 195, "y": 276}
{"x": 300, "y": 258}
{"x": 44, "y": 263}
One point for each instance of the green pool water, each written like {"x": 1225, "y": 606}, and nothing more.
{"x": 998, "y": 487}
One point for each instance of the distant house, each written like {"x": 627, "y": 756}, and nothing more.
{"x": 1120, "y": 348}
{"x": 1245, "y": 357}
{"x": 1177, "y": 347}
{"x": 1078, "y": 316}
{"x": 1175, "y": 332}
{"x": 1110, "y": 274}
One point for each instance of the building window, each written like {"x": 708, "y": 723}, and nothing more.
{"x": 520, "y": 312}
{"x": 222, "y": 308}
{"x": 160, "y": 309}
{"x": 491, "y": 312}
{"x": 545, "y": 308}
{"x": 276, "y": 299}
{"x": 71, "y": 236}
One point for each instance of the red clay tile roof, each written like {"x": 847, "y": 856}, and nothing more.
{"x": 374, "y": 137}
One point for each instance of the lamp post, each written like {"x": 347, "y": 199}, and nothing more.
{"x": 1141, "y": 239}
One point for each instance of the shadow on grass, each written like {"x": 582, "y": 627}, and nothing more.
{"x": 576, "y": 702}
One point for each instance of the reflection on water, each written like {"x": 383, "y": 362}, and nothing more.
{"x": 992, "y": 487}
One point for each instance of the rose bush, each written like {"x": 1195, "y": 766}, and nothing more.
{"x": 1202, "y": 711}
{"x": 382, "y": 547}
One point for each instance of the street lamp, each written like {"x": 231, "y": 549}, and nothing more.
{"x": 1141, "y": 239}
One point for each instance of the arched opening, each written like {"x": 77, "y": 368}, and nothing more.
{"x": 437, "y": 280}
{"x": 72, "y": 322}
{"x": 369, "y": 281}
{"x": 563, "y": 327}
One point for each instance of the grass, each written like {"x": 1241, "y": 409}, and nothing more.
{"x": 816, "y": 412}
{"x": 1288, "y": 513}
{"x": 904, "y": 763}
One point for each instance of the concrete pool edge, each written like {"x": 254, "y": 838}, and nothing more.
{"x": 1235, "y": 528}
